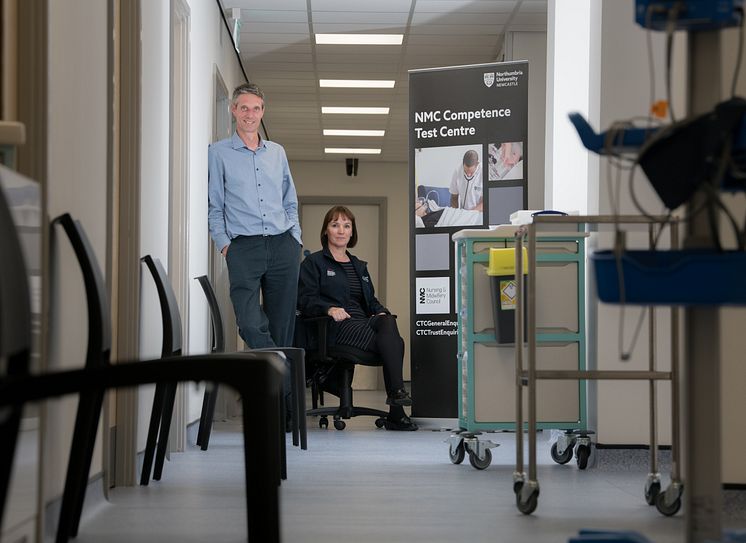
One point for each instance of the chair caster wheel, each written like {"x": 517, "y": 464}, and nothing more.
{"x": 339, "y": 424}
{"x": 323, "y": 422}
{"x": 379, "y": 423}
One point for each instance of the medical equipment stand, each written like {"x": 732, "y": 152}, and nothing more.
{"x": 527, "y": 489}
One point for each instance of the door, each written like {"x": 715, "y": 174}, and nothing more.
{"x": 370, "y": 219}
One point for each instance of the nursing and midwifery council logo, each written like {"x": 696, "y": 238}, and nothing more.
{"x": 433, "y": 295}
{"x": 489, "y": 78}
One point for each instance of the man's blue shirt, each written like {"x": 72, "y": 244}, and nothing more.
{"x": 250, "y": 192}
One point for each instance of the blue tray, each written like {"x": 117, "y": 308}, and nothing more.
{"x": 689, "y": 277}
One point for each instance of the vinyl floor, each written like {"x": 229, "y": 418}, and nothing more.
{"x": 365, "y": 485}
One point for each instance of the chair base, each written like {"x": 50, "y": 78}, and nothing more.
{"x": 342, "y": 412}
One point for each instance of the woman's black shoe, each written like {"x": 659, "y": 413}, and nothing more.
{"x": 403, "y": 424}
{"x": 399, "y": 397}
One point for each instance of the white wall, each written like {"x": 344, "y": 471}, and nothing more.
{"x": 623, "y": 92}
{"x": 532, "y": 46}
{"x": 154, "y": 174}
{"x": 732, "y": 338}
{"x": 77, "y": 176}
{"x": 384, "y": 179}
{"x": 211, "y": 50}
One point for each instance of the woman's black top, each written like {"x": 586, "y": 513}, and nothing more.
{"x": 325, "y": 283}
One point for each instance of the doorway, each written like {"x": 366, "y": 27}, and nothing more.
{"x": 370, "y": 219}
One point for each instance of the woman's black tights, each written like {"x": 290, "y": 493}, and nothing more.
{"x": 389, "y": 344}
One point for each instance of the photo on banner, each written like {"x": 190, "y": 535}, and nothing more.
{"x": 505, "y": 161}
{"x": 448, "y": 186}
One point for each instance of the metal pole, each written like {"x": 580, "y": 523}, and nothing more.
{"x": 675, "y": 376}
{"x": 703, "y": 496}
{"x": 518, "y": 352}
{"x": 651, "y": 367}
{"x": 531, "y": 353}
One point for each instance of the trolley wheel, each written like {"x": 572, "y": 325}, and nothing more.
{"x": 563, "y": 458}
{"x": 651, "y": 493}
{"x": 667, "y": 510}
{"x": 458, "y": 456}
{"x": 517, "y": 486}
{"x": 323, "y": 422}
{"x": 379, "y": 423}
{"x": 583, "y": 453}
{"x": 339, "y": 424}
{"x": 478, "y": 463}
{"x": 529, "y": 506}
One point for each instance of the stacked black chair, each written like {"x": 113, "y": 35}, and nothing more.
{"x": 256, "y": 376}
{"x": 294, "y": 355}
{"x": 336, "y": 363}
{"x": 89, "y": 403}
{"x": 218, "y": 346}
{"x": 165, "y": 392}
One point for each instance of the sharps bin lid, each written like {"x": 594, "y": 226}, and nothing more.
{"x": 502, "y": 262}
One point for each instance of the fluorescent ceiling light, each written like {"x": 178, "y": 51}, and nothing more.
{"x": 336, "y": 132}
{"x": 349, "y": 151}
{"x": 358, "y": 83}
{"x": 359, "y": 39}
{"x": 356, "y": 110}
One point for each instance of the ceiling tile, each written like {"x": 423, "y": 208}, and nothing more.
{"x": 361, "y": 6}
{"x": 396, "y": 19}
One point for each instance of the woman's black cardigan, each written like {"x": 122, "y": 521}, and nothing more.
{"x": 322, "y": 284}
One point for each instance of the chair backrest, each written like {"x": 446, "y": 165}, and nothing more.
{"x": 169, "y": 308}
{"x": 15, "y": 308}
{"x": 99, "y": 323}
{"x": 218, "y": 338}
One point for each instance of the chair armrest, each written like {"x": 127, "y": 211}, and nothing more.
{"x": 235, "y": 370}
{"x": 322, "y": 328}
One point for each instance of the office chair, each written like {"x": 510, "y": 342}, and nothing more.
{"x": 295, "y": 356}
{"x": 253, "y": 375}
{"x": 327, "y": 363}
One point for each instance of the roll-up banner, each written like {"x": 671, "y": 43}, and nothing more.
{"x": 468, "y": 159}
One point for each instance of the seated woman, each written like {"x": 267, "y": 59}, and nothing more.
{"x": 335, "y": 283}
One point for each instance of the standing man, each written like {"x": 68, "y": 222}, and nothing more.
{"x": 253, "y": 219}
{"x": 466, "y": 183}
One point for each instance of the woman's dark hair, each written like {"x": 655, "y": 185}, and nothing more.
{"x": 333, "y": 214}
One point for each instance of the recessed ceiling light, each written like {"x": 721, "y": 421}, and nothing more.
{"x": 356, "y": 110}
{"x": 359, "y": 39}
{"x": 336, "y": 132}
{"x": 358, "y": 83}
{"x": 349, "y": 151}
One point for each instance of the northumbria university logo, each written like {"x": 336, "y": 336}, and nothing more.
{"x": 489, "y": 78}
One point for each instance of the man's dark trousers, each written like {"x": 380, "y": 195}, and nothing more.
{"x": 268, "y": 264}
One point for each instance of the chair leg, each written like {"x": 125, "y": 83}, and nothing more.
{"x": 168, "y": 411}
{"x": 203, "y": 416}
{"x": 9, "y": 437}
{"x": 345, "y": 398}
{"x": 281, "y": 437}
{"x": 300, "y": 399}
{"x": 314, "y": 395}
{"x": 155, "y": 421}
{"x": 209, "y": 416}
{"x": 261, "y": 463}
{"x": 79, "y": 465}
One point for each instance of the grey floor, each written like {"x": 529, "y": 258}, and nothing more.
{"x": 367, "y": 485}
